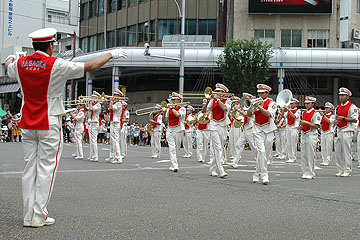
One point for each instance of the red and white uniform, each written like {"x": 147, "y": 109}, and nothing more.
{"x": 234, "y": 135}
{"x": 174, "y": 133}
{"x": 188, "y": 138}
{"x": 327, "y": 137}
{"x": 115, "y": 119}
{"x": 292, "y": 133}
{"x": 94, "y": 130}
{"x": 264, "y": 128}
{"x": 79, "y": 132}
{"x": 217, "y": 126}
{"x": 280, "y": 137}
{"x": 344, "y": 137}
{"x": 202, "y": 140}
{"x": 358, "y": 141}
{"x": 308, "y": 142}
{"x": 42, "y": 79}
{"x": 125, "y": 115}
{"x": 156, "y": 136}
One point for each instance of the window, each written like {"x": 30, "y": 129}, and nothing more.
{"x": 166, "y": 27}
{"x": 265, "y": 35}
{"x": 132, "y": 35}
{"x": 207, "y": 27}
{"x": 92, "y": 8}
{"x": 143, "y": 33}
{"x": 358, "y": 6}
{"x": 84, "y": 45}
{"x": 291, "y": 38}
{"x": 318, "y": 38}
{"x": 84, "y": 12}
{"x": 100, "y": 41}
{"x": 121, "y": 37}
{"x": 318, "y": 82}
{"x": 152, "y": 30}
{"x": 110, "y": 39}
{"x": 101, "y": 7}
{"x": 58, "y": 17}
{"x": 111, "y": 6}
{"x": 132, "y": 3}
{"x": 124, "y": 3}
{"x": 92, "y": 43}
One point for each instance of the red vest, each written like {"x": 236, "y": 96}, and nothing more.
{"x": 34, "y": 73}
{"x": 325, "y": 126}
{"x": 122, "y": 118}
{"x": 174, "y": 121}
{"x": 186, "y": 126}
{"x": 202, "y": 126}
{"x": 260, "y": 118}
{"x": 155, "y": 119}
{"x": 343, "y": 111}
{"x": 359, "y": 121}
{"x": 246, "y": 120}
{"x": 218, "y": 114}
{"x": 307, "y": 117}
{"x": 290, "y": 119}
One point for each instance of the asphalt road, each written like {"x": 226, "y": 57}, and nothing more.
{"x": 142, "y": 199}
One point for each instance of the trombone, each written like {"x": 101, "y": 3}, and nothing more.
{"x": 165, "y": 106}
{"x": 140, "y": 113}
{"x": 208, "y": 93}
{"x": 103, "y": 96}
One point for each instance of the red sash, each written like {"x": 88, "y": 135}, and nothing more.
{"x": 112, "y": 113}
{"x": 155, "y": 119}
{"x": 186, "y": 126}
{"x": 359, "y": 121}
{"x": 122, "y": 118}
{"x": 343, "y": 111}
{"x": 218, "y": 114}
{"x": 307, "y": 117}
{"x": 325, "y": 126}
{"x": 260, "y": 119}
{"x": 174, "y": 121}
{"x": 246, "y": 120}
{"x": 290, "y": 119}
{"x": 34, "y": 73}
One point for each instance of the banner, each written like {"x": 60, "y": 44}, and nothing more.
{"x": 290, "y": 6}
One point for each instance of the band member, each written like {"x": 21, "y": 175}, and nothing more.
{"x": 219, "y": 107}
{"x": 235, "y": 129}
{"x": 358, "y": 141}
{"x": 79, "y": 120}
{"x": 42, "y": 79}
{"x": 292, "y": 117}
{"x": 246, "y": 136}
{"x": 115, "y": 109}
{"x": 189, "y": 130}
{"x": 156, "y": 133}
{"x": 327, "y": 134}
{"x": 95, "y": 111}
{"x": 264, "y": 127}
{"x": 175, "y": 130}
{"x": 347, "y": 117}
{"x": 125, "y": 119}
{"x": 280, "y": 135}
{"x": 310, "y": 122}
{"x": 202, "y": 138}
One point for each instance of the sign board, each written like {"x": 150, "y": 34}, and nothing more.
{"x": 290, "y": 6}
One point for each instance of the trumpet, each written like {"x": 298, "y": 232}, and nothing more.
{"x": 208, "y": 93}
{"x": 165, "y": 106}
{"x": 248, "y": 104}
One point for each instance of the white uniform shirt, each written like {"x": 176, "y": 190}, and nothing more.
{"x": 297, "y": 119}
{"x": 95, "y": 113}
{"x": 316, "y": 119}
{"x": 353, "y": 113}
{"x": 181, "y": 126}
{"x": 62, "y": 71}
{"x": 158, "y": 127}
{"x": 212, "y": 124}
{"x": 117, "y": 110}
{"x": 271, "y": 126}
{"x": 80, "y": 117}
{"x": 126, "y": 116}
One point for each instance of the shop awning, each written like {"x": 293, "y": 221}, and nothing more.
{"x": 8, "y": 88}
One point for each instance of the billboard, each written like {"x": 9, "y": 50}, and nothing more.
{"x": 290, "y": 6}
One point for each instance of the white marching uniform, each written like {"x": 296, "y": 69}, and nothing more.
{"x": 79, "y": 132}
{"x": 94, "y": 131}
{"x": 327, "y": 138}
{"x": 124, "y": 133}
{"x": 292, "y": 133}
{"x": 188, "y": 138}
{"x": 264, "y": 128}
{"x": 174, "y": 133}
{"x": 156, "y": 136}
{"x": 308, "y": 142}
{"x": 345, "y": 132}
{"x": 218, "y": 125}
{"x": 358, "y": 142}
{"x": 42, "y": 80}
{"x": 280, "y": 137}
{"x": 115, "y": 117}
{"x": 234, "y": 135}
{"x": 202, "y": 140}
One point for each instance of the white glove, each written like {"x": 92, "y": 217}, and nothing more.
{"x": 10, "y": 56}
{"x": 118, "y": 53}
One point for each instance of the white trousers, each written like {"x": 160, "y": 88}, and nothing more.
{"x": 93, "y": 134}
{"x": 123, "y": 144}
{"x": 247, "y": 135}
{"x": 261, "y": 139}
{"x": 308, "y": 156}
{"x": 202, "y": 140}
{"x": 358, "y": 147}
{"x": 342, "y": 151}
{"x": 115, "y": 142}
{"x": 280, "y": 137}
{"x": 174, "y": 142}
{"x": 188, "y": 142}
{"x": 292, "y": 135}
{"x": 42, "y": 152}
{"x": 327, "y": 141}
{"x": 234, "y": 135}
{"x": 268, "y": 146}
{"x": 155, "y": 143}
{"x": 218, "y": 137}
{"x": 79, "y": 135}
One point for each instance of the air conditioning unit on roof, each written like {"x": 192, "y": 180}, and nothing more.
{"x": 356, "y": 45}
{"x": 356, "y": 34}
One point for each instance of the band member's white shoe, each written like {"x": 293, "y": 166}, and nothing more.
{"x": 223, "y": 175}
{"x": 74, "y": 155}
{"x": 108, "y": 159}
{"x": 324, "y": 164}
{"x": 266, "y": 180}
{"x": 213, "y": 174}
{"x": 231, "y": 157}
{"x": 153, "y": 156}
{"x": 47, "y": 222}
{"x": 233, "y": 165}
{"x": 79, "y": 158}
{"x": 291, "y": 161}
{"x": 359, "y": 166}
{"x": 338, "y": 174}
{"x": 27, "y": 224}
{"x": 95, "y": 160}
{"x": 255, "y": 179}
{"x": 174, "y": 169}
{"x": 346, "y": 174}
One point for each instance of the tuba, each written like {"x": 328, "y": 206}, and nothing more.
{"x": 203, "y": 118}
{"x": 284, "y": 98}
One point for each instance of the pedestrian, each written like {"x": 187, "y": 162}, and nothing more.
{"x": 6, "y": 120}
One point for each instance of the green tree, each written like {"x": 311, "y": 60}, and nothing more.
{"x": 244, "y": 64}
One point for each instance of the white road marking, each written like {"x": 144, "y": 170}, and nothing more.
{"x": 163, "y": 161}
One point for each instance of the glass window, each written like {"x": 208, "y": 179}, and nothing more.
{"x": 100, "y": 41}
{"x": 212, "y": 28}
{"x": 358, "y": 6}
{"x": 318, "y": 38}
{"x": 203, "y": 27}
{"x": 92, "y": 43}
{"x": 207, "y": 27}
{"x": 142, "y": 35}
{"x": 265, "y": 35}
{"x": 84, "y": 13}
{"x": 318, "y": 82}
{"x": 101, "y": 7}
{"x": 110, "y": 39}
{"x": 111, "y": 5}
{"x": 124, "y": 3}
{"x": 291, "y": 38}
{"x": 190, "y": 27}
{"x": 92, "y": 8}
{"x": 167, "y": 27}
{"x": 296, "y": 38}
{"x": 84, "y": 45}
{"x": 132, "y": 35}
{"x": 152, "y": 30}
{"x": 132, "y": 3}
{"x": 121, "y": 37}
